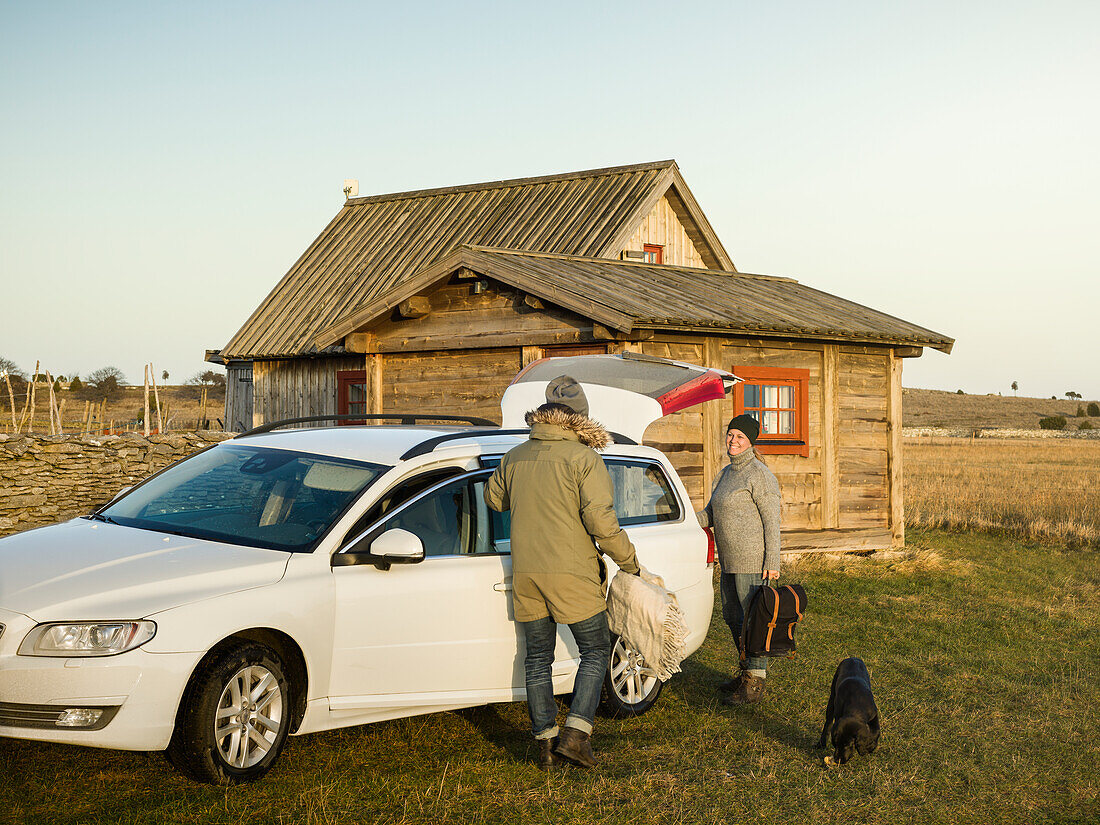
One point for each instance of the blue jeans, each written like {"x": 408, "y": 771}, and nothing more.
{"x": 737, "y": 590}
{"x": 593, "y": 638}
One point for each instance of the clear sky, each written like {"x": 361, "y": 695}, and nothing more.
{"x": 164, "y": 164}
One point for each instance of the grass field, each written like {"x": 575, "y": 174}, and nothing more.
{"x": 1036, "y": 488}
{"x": 937, "y": 408}
{"x": 986, "y": 670}
{"x": 180, "y": 407}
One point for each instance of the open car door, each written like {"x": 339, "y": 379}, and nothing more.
{"x": 626, "y": 393}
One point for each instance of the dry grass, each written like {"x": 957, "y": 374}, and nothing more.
{"x": 937, "y": 408}
{"x": 180, "y": 404}
{"x": 1040, "y": 489}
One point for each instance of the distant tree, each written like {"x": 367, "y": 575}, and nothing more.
{"x": 106, "y": 382}
{"x": 1071, "y": 395}
{"x": 76, "y": 385}
{"x": 164, "y": 376}
{"x": 1085, "y": 425}
{"x": 1093, "y": 409}
{"x": 207, "y": 378}
{"x": 1055, "y": 422}
{"x": 1015, "y": 386}
{"x": 1080, "y": 411}
{"x": 959, "y": 392}
{"x": 12, "y": 369}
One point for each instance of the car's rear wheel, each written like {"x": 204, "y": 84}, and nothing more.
{"x": 631, "y": 686}
{"x": 234, "y": 717}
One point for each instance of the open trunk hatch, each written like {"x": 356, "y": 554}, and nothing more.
{"x": 626, "y": 393}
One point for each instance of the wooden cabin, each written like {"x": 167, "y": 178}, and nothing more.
{"x": 433, "y": 300}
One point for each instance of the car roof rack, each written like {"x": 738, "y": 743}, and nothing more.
{"x": 404, "y": 418}
{"x": 429, "y": 444}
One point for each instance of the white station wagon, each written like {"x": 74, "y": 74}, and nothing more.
{"x": 294, "y": 581}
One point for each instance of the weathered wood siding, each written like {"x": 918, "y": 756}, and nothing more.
{"x": 462, "y": 382}
{"x": 663, "y": 227}
{"x": 864, "y": 438}
{"x": 297, "y": 388}
{"x": 238, "y": 396}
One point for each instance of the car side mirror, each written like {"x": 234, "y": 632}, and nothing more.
{"x": 395, "y": 546}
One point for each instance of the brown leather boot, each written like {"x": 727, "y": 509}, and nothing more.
{"x": 750, "y": 691}
{"x": 732, "y": 684}
{"x": 575, "y": 746}
{"x": 547, "y": 758}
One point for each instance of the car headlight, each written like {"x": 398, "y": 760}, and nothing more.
{"x": 86, "y": 638}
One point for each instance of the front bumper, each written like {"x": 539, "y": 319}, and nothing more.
{"x": 138, "y": 691}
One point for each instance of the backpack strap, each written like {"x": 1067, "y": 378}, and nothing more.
{"x": 797, "y": 611}
{"x": 775, "y": 619}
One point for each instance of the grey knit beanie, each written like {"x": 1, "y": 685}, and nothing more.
{"x": 564, "y": 390}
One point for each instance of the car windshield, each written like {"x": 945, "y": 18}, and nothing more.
{"x": 256, "y": 496}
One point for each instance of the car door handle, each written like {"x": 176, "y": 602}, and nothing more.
{"x": 503, "y": 587}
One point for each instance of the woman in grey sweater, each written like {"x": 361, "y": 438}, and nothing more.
{"x": 743, "y": 513}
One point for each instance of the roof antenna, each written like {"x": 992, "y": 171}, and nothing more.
{"x": 351, "y": 188}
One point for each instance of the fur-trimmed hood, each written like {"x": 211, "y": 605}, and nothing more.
{"x": 590, "y": 433}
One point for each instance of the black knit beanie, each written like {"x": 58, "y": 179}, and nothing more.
{"x": 746, "y": 424}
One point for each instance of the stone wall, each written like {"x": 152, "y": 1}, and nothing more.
{"x": 46, "y": 479}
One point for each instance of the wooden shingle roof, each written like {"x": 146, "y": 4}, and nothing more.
{"x": 376, "y": 243}
{"x": 624, "y": 295}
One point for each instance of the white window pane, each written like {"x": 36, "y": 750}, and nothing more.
{"x": 771, "y": 422}
{"x": 786, "y": 422}
{"x": 771, "y": 395}
{"x": 785, "y": 397}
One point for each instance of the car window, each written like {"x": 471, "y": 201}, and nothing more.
{"x": 255, "y": 496}
{"x": 398, "y": 495}
{"x": 451, "y": 521}
{"x": 643, "y": 494}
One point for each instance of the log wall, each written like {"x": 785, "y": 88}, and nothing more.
{"x": 463, "y": 382}
{"x": 298, "y": 387}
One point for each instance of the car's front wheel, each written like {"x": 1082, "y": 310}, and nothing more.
{"x": 631, "y": 686}
{"x": 234, "y": 717}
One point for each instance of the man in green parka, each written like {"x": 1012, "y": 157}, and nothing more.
{"x": 562, "y": 502}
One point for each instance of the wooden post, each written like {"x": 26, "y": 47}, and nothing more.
{"x": 146, "y": 421}
{"x": 373, "y": 369}
{"x": 894, "y": 452}
{"x": 51, "y": 404}
{"x": 712, "y": 419}
{"x": 202, "y": 420}
{"x": 830, "y": 438}
{"x": 11, "y": 398}
{"x": 156, "y": 398}
{"x": 530, "y": 355}
{"x": 87, "y": 420}
{"x": 61, "y": 417}
{"x": 33, "y": 389}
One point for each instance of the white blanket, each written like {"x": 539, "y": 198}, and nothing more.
{"x": 649, "y": 620}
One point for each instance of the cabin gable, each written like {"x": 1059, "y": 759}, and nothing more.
{"x": 666, "y": 228}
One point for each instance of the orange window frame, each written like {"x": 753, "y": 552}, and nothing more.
{"x": 796, "y": 443}
{"x": 658, "y": 253}
{"x": 345, "y": 380}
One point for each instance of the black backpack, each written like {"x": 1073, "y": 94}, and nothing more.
{"x": 768, "y": 629}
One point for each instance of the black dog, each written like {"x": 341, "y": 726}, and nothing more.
{"x": 851, "y": 719}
